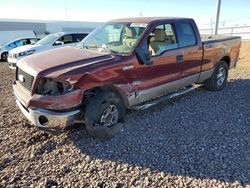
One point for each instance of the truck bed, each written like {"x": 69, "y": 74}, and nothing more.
{"x": 215, "y": 49}
{"x": 217, "y": 38}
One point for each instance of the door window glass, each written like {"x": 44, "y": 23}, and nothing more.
{"x": 33, "y": 41}
{"x": 66, "y": 39}
{"x": 162, "y": 38}
{"x": 20, "y": 42}
{"x": 79, "y": 37}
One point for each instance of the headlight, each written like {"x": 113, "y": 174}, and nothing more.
{"x": 49, "y": 86}
{"x": 26, "y": 53}
{"x": 11, "y": 55}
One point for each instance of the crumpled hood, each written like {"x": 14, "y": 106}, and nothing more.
{"x": 55, "y": 62}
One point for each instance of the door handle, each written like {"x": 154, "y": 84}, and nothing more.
{"x": 129, "y": 67}
{"x": 179, "y": 58}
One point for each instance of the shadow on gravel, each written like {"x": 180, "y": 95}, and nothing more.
{"x": 202, "y": 135}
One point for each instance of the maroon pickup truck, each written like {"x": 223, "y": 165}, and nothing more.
{"x": 129, "y": 63}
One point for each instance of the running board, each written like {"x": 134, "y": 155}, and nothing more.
{"x": 164, "y": 98}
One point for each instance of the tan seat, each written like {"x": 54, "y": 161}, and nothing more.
{"x": 158, "y": 41}
{"x": 130, "y": 37}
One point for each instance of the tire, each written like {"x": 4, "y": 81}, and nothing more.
{"x": 218, "y": 79}
{"x": 4, "y": 56}
{"x": 103, "y": 114}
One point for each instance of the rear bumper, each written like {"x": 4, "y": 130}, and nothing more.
{"x": 46, "y": 118}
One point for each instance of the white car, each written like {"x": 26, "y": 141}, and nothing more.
{"x": 49, "y": 42}
{"x": 5, "y": 48}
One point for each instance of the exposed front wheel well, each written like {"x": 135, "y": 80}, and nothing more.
{"x": 93, "y": 91}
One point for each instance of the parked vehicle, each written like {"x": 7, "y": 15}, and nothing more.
{"x": 7, "y": 36}
{"x": 51, "y": 41}
{"x": 129, "y": 63}
{"x": 4, "y": 50}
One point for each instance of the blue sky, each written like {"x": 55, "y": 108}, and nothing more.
{"x": 233, "y": 12}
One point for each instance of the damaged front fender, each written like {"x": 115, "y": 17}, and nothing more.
{"x": 67, "y": 101}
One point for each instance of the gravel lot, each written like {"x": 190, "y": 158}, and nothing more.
{"x": 200, "y": 139}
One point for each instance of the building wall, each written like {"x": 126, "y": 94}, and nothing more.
{"x": 39, "y": 28}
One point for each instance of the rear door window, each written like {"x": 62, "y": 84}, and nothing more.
{"x": 187, "y": 35}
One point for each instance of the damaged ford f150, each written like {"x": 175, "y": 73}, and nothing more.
{"x": 129, "y": 63}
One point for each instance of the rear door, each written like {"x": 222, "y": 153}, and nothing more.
{"x": 192, "y": 50}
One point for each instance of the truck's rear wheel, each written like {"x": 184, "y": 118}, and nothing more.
{"x": 103, "y": 115}
{"x": 218, "y": 80}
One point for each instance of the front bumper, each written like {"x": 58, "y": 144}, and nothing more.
{"x": 46, "y": 118}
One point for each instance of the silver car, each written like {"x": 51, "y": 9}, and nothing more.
{"x": 51, "y": 41}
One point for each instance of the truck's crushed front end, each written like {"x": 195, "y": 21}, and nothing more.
{"x": 41, "y": 106}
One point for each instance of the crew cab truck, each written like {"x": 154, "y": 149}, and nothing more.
{"x": 125, "y": 64}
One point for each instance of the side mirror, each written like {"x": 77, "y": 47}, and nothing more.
{"x": 58, "y": 43}
{"x": 144, "y": 56}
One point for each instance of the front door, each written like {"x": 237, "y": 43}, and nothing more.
{"x": 160, "y": 77}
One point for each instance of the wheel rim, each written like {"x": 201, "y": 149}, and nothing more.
{"x": 109, "y": 116}
{"x": 221, "y": 76}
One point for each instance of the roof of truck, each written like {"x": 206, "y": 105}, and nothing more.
{"x": 146, "y": 19}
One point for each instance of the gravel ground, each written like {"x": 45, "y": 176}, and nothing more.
{"x": 201, "y": 139}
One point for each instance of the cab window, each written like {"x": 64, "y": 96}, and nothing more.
{"x": 162, "y": 38}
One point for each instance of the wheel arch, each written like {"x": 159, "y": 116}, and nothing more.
{"x": 227, "y": 59}
{"x": 4, "y": 52}
{"x": 112, "y": 88}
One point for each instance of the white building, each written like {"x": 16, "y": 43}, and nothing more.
{"x": 43, "y": 27}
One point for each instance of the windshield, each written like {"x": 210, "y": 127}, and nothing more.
{"x": 118, "y": 38}
{"x": 49, "y": 39}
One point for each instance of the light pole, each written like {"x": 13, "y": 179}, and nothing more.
{"x": 217, "y": 17}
